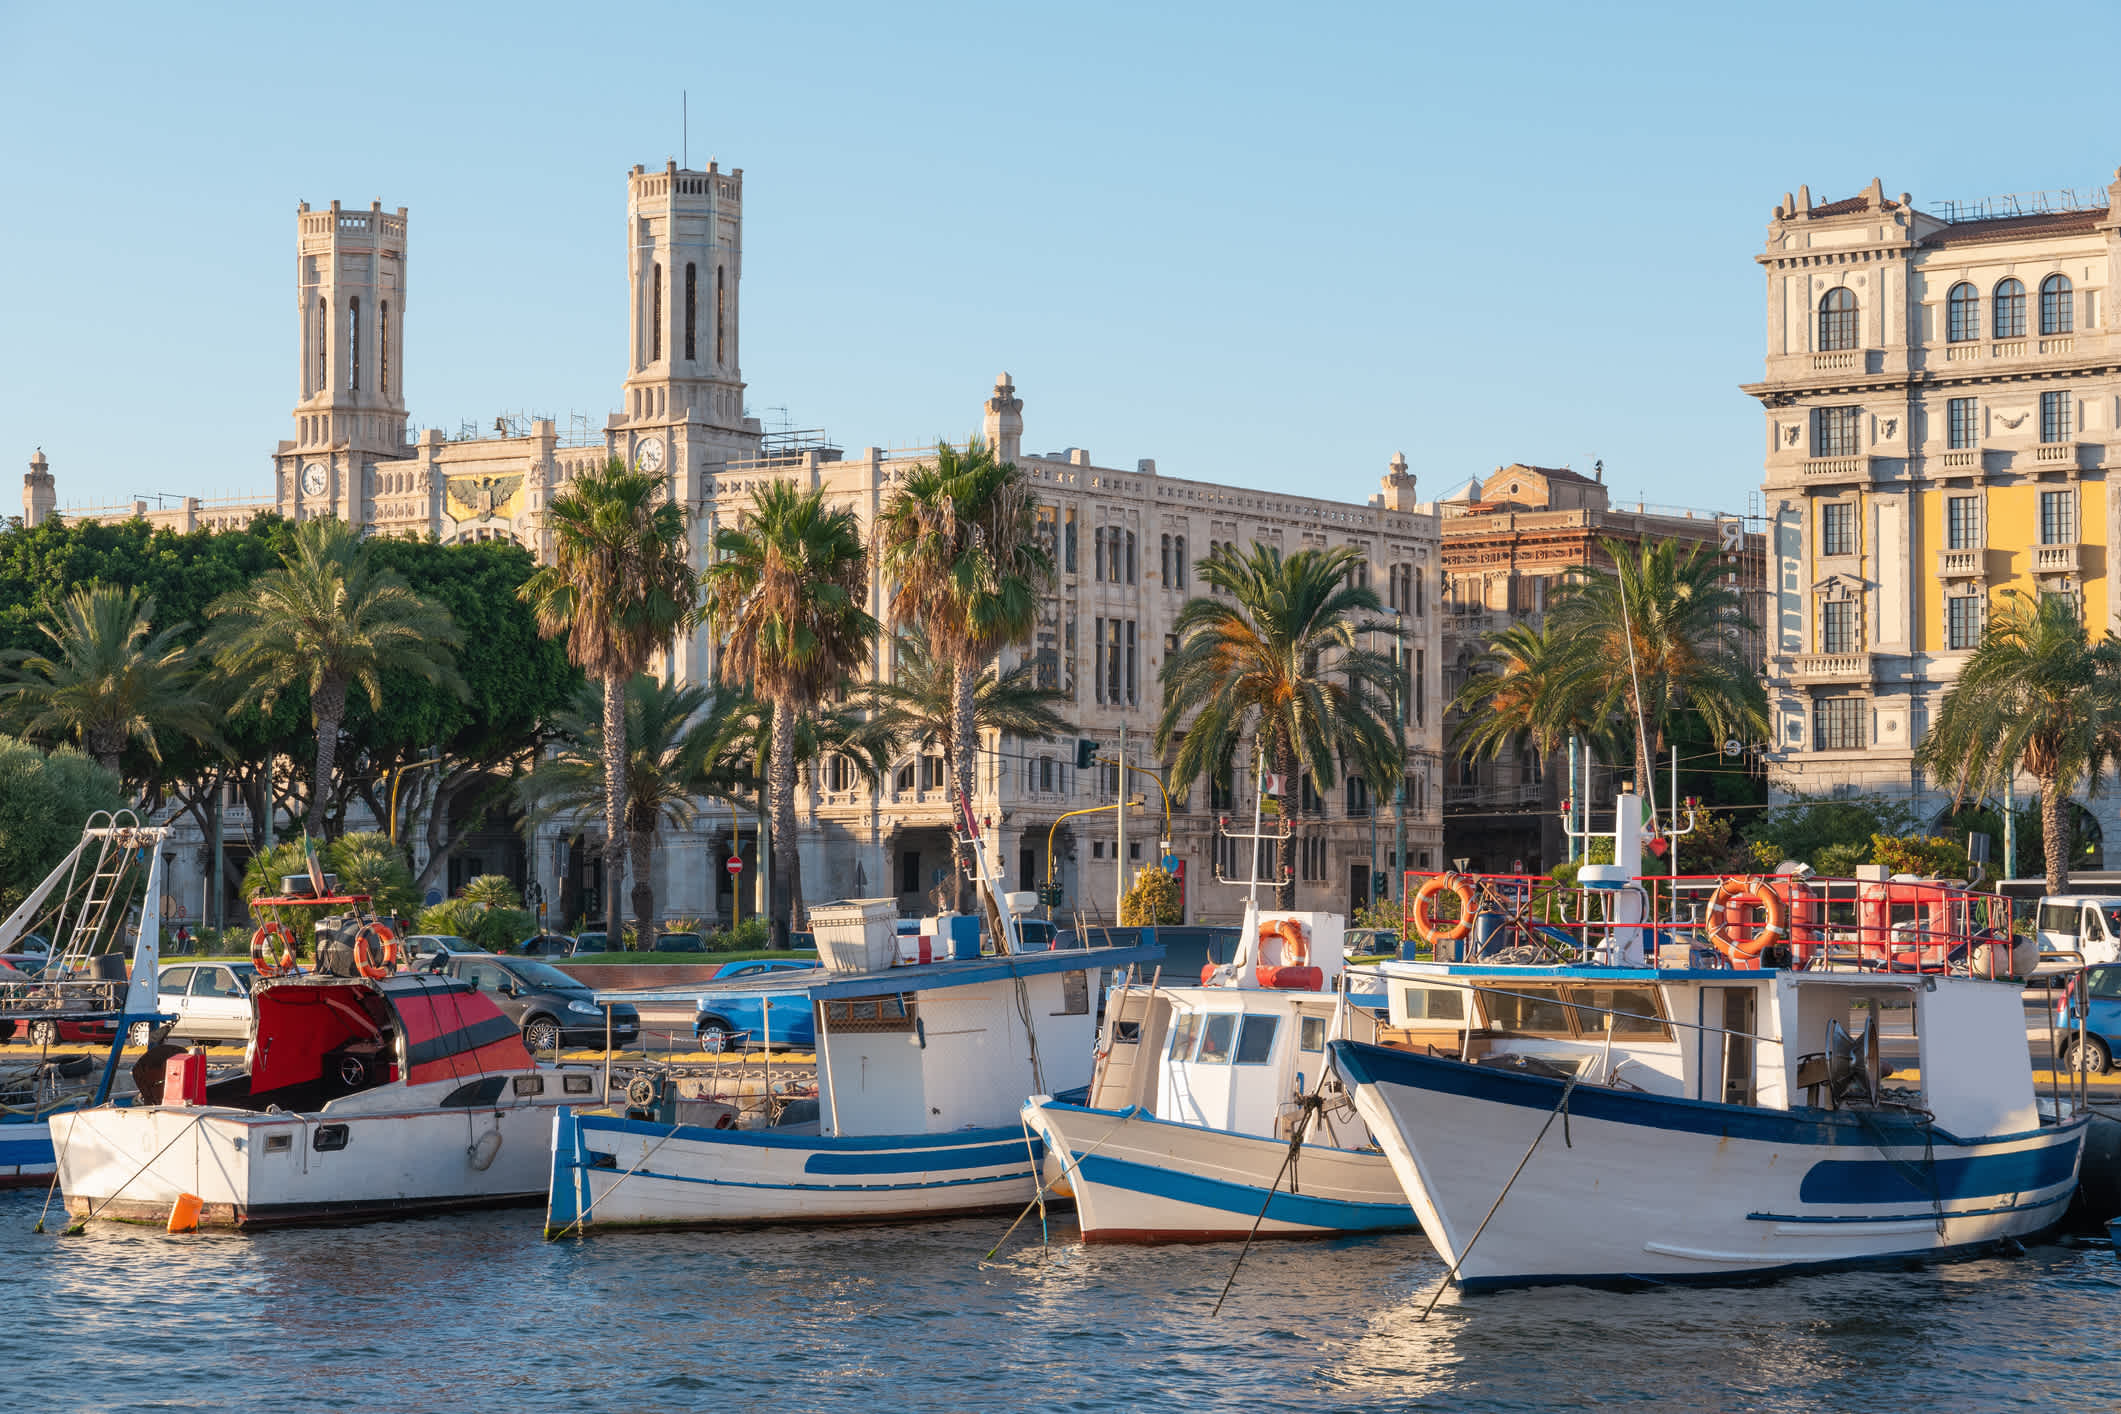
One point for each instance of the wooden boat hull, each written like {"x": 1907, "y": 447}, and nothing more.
{"x": 1635, "y": 1187}
{"x": 1136, "y": 1178}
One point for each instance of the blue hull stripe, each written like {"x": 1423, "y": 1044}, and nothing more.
{"x": 1243, "y": 1199}
{"x": 1021, "y": 1175}
{"x": 25, "y": 1152}
{"x": 1926, "y": 1215}
{"x": 1848, "y": 1181}
{"x": 829, "y": 1143}
{"x": 980, "y": 1156}
{"x": 1372, "y": 1065}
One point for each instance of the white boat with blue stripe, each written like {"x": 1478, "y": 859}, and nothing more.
{"x": 921, "y": 1071}
{"x": 1212, "y": 1112}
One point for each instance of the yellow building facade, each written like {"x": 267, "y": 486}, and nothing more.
{"x": 1942, "y": 399}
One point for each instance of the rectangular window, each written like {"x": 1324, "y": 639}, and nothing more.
{"x": 1132, "y": 577}
{"x": 909, "y": 872}
{"x": 1311, "y": 1035}
{"x": 1837, "y": 626}
{"x": 1962, "y": 621}
{"x": 1434, "y": 1004}
{"x": 1068, "y": 541}
{"x": 2055, "y": 416}
{"x": 692, "y": 309}
{"x": 721, "y": 354}
{"x": 1837, "y": 528}
{"x": 1962, "y": 523}
{"x": 1962, "y": 418}
{"x": 1045, "y": 773}
{"x": 2058, "y": 517}
{"x": 1836, "y": 431}
{"x": 1183, "y": 1034}
{"x": 1421, "y": 685}
{"x": 1313, "y": 855}
{"x": 655, "y": 318}
{"x": 1097, "y": 543}
{"x": 1837, "y": 724}
{"x": 1098, "y": 636}
{"x": 1215, "y": 1038}
{"x": 1178, "y": 561}
{"x": 1133, "y": 695}
{"x": 1526, "y": 1011}
{"x": 1255, "y": 1041}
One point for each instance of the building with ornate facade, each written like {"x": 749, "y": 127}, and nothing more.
{"x": 1126, "y": 539}
{"x": 1942, "y": 394}
{"x": 1509, "y": 541}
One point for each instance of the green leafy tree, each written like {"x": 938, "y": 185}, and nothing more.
{"x": 1931, "y": 856}
{"x": 368, "y": 863}
{"x": 1528, "y": 685}
{"x": 1801, "y": 830}
{"x": 959, "y": 539}
{"x": 683, "y": 746}
{"x": 496, "y": 928}
{"x": 492, "y": 890}
{"x": 106, "y": 679}
{"x": 1153, "y": 900}
{"x": 46, "y": 798}
{"x": 1280, "y": 659}
{"x": 618, "y": 591}
{"x": 2037, "y": 694}
{"x": 786, "y": 589}
{"x": 919, "y": 709}
{"x": 330, "y": 619}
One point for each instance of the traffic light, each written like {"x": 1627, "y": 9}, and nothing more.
{"x": 1085, "y": 753}
{"x": 1380, "y": 886}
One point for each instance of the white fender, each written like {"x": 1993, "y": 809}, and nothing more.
{"x": 483, "y": 1152}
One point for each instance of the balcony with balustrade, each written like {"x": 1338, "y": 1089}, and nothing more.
{"x": 2058, "y": 559}
{"x": 1962, "y": 564}
{"x": 1807, "y": 669}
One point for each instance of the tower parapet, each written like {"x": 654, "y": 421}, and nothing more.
{"x": 40, "y": 496}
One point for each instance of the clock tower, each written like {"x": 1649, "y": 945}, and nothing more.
{"x": 683, "y": 409}
{"x": 350, "y": 316}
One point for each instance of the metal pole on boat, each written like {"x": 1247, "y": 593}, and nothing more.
{"x": 1568, "y": 814}
{"x": 607, "y": 1053}
{"x": 1672, "y": 833}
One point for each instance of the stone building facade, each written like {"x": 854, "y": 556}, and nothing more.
{"x": 1509, "y": 542}
{"x": 1126, "y": 539}
{"x": 1942, "y": 395}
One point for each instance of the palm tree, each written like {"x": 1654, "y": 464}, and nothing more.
{"x": 786, "y": 588}
{"x": 1281, "y": 659}
{"x": 2038, "y": 694}
{"x": 328, "y": 619}
{"x": 620, "y": 590}
{"x": 920, "y": 708}
{"x": 960, "y": 541}
{"x": 1662, "y": 632}
{"x": 678, "y": 753}
{"x": 1527, "y": 685}
{"x": 110, "y": 679}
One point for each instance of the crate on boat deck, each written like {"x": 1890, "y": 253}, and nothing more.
{"x": 856, "y": 935}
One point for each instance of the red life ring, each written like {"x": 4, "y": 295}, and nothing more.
{"x": 1727, "y": 909}
{"x": 1425, "y": 919}
{"x": 366, "y": 959}
{"x": 262, "y": 956}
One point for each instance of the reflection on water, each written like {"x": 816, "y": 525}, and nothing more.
{"x": 476, "y": 1313}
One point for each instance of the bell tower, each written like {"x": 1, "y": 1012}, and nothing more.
{"x": 684, "y": 394}
{"x": 350, "y": 320}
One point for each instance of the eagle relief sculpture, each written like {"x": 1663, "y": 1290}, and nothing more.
{"x": 483, "y": 496}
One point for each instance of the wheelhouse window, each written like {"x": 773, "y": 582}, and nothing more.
{"x": 1962, "y": 418}
{"x": 1837, "y": 320}
{"x": 1432, "y": 1004}
{"x": 1311, "y": 1034}
{"x": 1255, "y": 1040}
{"x": 1216, "y": 1033}
{"x": 2058, "y": 313}
{"x": 1184, "y": 1034}
{"x": 1962, "y": 313}
{"x": 1526, "y": 1010}
{"x": 2008, "y": 316}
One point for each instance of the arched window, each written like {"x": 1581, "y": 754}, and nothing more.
{"x": 1179, "y": 563}
{"x": 655, "y": 318}
{"x": 2057, "y": 309}
{"x": 353, "y": 344}
{"x": 323, "y": 344}
{"x": 692, "y": 307}
{"x": 2007, "y": 321}
{"x": 1837, "y": 319}
{"x": 1165, "y": 562}
{"x": 1962, "y": 313}
{"x": 383, "y": 348}
{"x": 720, "y": 300}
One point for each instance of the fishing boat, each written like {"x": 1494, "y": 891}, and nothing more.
{"x": 922, "y": 1070}
{"x": 1212, "y": 1111}
{"x": 1598, "y": 1118}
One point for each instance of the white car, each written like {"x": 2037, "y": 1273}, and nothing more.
{"x": 211, "y": 1001}
{"x": 2089, "y": 924}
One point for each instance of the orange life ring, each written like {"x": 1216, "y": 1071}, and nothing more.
{"x": 262, "y": 956}
{"x": 365, "y": 960}
{"x": 1295, "y": 952}
{"x": 1727, "y": 908}
{"x": 1424, "y": 920}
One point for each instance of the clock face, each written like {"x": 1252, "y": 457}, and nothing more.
{"x": 648, "y": 456}
{"x": 314, "y": 479}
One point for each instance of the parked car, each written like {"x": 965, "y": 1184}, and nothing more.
{"x": 422, "y": 947}
{"x": 2102, "y": 1019}
{"x": 732, "y": 1019}
{"x": 211, "y": 1001}
{"x": 547, "y": 945}
{"x": 552, "y": 1008}
{"x": 591, "y": 942}
{"x": 56, "y": 1032}
{"x": 1368, "y": 942}
{"x": 680, "y": 942}
{"x": 2089, "y": 924}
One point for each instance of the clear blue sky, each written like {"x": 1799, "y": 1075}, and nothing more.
{"x": 1263, "y": 244}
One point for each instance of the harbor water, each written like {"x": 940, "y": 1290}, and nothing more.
{"x": 478, "y": 1313}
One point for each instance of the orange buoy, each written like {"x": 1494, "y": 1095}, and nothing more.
{"x": 184, "y": 1213}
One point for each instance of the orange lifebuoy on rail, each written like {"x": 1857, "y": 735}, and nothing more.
{"x": 1295, "y": 949}
{"x": 262, "y": 956}
{"x": 1424, "y": 917}
{"x": 386, "y": 948}
{"x": 1727, "y": 908}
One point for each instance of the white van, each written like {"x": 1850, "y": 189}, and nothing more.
{"x": 2081, "y": 923}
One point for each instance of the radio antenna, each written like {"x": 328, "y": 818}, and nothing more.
{"x": 685, "y": 129}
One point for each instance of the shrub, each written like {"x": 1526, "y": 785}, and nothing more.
{"x": 1931, "y": 856}
{"x": 1154, "y": 900}
{"x": 45, "y": 799}
{"x": 368, "y": 863}
{"x": 747, "y": 936}
{"x": 494, "y": 929}
{"x": 493, "y": 889}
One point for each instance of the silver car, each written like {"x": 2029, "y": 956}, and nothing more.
{"x": 211, "y": 1001}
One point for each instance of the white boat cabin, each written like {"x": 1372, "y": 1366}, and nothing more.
{"x": 1782, "y": 1039}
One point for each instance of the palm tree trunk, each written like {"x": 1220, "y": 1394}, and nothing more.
{"x": 328, "y": 703}
{"x": 639, "y": 843}
{"x": 1292, "y": 799}
{"x": 106, "y": 744}
{"x": 2055, "y": 833}
{"x": 964, "y": 753}
{"x": 781, "y": 781}
{"x": 615, "y": 809}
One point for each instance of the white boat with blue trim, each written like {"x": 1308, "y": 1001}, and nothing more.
{"x": 1212, "y": 1113}
{"x": 1592, "y": 1121}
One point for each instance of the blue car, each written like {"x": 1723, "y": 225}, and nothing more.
{"x": 2102, "y": 1023}
{"x": 734, "y": 1019}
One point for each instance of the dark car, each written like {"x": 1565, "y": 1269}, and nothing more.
{"x": 728, "y": 1020}
{"x": 680, "y": 942}
{"x": 552, "y": 1008}
{"x": 547, "y": 945}
{"x": 598, "y": 941}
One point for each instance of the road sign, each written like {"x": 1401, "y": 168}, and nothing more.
{"x": 1170, "y": 864}
{"x": 736, "y": 864}
{"x": 434, "y": 896}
